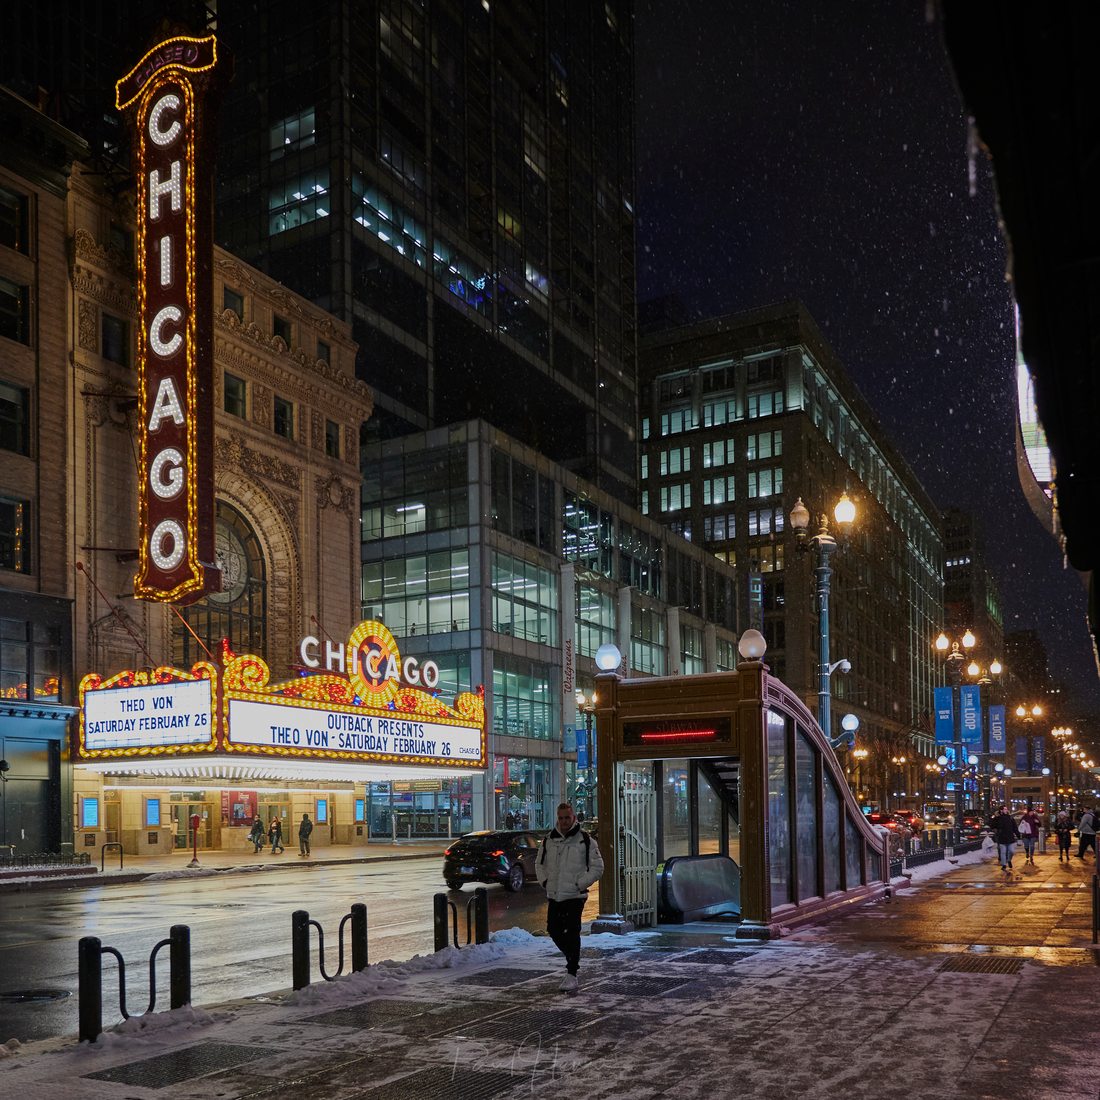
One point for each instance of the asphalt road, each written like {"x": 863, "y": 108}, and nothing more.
{"x": 240, "y": 932}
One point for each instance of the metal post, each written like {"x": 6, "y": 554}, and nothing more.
{"x": 439, "y": 921}
{"x": 179, "y": 965}
{"x": 359, "y": 936}
{"x": 481, "y": 915}
{"x": 825, "y": 544}
{"x": 393, "y": 825}
{"x": 299, "y": 948}
{"x": 89, "y": 968}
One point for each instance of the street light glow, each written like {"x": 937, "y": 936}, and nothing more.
{"x": 968, "y": 640}
{"x": 845, "y": 511}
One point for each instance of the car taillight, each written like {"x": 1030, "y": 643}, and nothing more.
{"x": 446, "y": 851}
{"x": 498, "y": 852}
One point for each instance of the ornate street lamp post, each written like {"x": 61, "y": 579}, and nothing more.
{"x": 824, "y": 546}
{"x": 954, "y": 659}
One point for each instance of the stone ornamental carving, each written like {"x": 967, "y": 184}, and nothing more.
{"x": 261, "y": 405}
{"x": 88, "y": 325}
{"x": 87, "y": 248}
{"x": 120, "y": 300}
{"x": 318, "y": 432}
{"x": 232, "y": 452}
{"x": 333, "y": 493}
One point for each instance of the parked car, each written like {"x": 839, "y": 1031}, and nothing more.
{"x": 911, "y": 819}
{"x": 506, "y": 856}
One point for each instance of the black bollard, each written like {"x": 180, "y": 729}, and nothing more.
{"x": 299, "y": 948}
{"x": 89, "y": 967}
{"x": 179, "y": 966}
{"x": 481, "y": 915}
{"x": 440, "y": 905}
{"x": 359, "y": 936}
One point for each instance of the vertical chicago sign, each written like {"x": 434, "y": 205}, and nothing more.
{"x": 168, "y": 97}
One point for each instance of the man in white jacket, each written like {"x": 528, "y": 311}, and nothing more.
{"x": 569, "y": 861}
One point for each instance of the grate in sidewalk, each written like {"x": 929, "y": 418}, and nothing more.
{"x": 445, "y": 1083}
{"x": 644, "y": 986}
{"x": 981, "y": 964}
{"x": 182, "y": 1065}
{"x": 713, "y": 956}
{"x": 370, "y": 1014}
{"x": 527, "y": 1023}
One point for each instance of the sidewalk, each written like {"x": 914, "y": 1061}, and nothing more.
{"x": 136, "y": 868}
{"x": 954, "y": 989}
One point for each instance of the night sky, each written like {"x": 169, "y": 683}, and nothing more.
{"x": 794, "y": 149}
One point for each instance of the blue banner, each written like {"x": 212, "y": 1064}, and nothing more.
{"x": 945, "y": 717}
{"x": 582, "y": 748}
{"x": 1021, "y": 755}
{"x": 569, "y": 739}
{"x": 997, "y": 744}
{"x": 970, "y": 713}
{"x": 1040, "y": 754}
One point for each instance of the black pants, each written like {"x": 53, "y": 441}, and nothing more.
{"x": 1088, "y": 840}
{"x": 563, "y": 922}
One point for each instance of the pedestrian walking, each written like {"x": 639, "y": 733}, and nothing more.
{"x": 568, "y": 862}
{"x": 1086, "y": 834}
{"x": 1005, "y": 833}
{"x": 1063, "y": 829}
{"x": 1029, "y": 833}
{"x": 305, "y": 827}
{"x": 257, "y": 836}
{"x": 275, "y": 835}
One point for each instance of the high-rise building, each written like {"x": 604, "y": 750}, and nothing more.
{"x": 455, "y": 180}
{"x": 741, "y": 416}
{"x": 971, "y": 598}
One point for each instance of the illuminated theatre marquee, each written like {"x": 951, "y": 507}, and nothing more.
{"x": 382, "y": 710}
{"x": 165, "y": 96}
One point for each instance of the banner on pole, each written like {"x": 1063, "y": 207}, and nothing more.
{"x": 970, "y": 713}
{"x": 945, "y": 717}
{"x": 997, "y": 743}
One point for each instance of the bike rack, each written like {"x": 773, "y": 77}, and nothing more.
{"x": 103, "y": 853}
{"x": 299, "y": 944}
{"x": 90, "y": 952}
{"x": 477, "y": 927}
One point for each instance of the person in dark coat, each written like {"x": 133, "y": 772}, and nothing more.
{"x": 1086, "y": 831}
{"x": 275, "y": 835}
{"x": 305, "y": 827}
{"x": 257, "y": 836}
{"x": 1005, "y": 833}
{"x": 1028, "y": 828}
{"x": 1063, "y": 829}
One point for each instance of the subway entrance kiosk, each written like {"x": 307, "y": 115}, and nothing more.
{"x": 720, "y": 795}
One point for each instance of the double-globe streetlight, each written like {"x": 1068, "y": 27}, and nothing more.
{"x": 824, "y": 545}
{"x": 954, "y": 655}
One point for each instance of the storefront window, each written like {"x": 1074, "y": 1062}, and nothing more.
{"x": 419, "y": 807}
{"x": 526, "y": 792}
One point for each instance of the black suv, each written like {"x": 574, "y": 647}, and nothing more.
{"x": 506, "y": 856}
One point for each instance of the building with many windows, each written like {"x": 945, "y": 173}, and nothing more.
{"x": 743, "y": 415}
{"x": 508, "y": 570}
{"x": 971, "y": 598}
{"x": 454, "y": 180}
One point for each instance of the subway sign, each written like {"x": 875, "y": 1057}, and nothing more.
{"x": 167, "y": 96}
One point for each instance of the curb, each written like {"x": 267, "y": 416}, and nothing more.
{"x": 125, "y": 877}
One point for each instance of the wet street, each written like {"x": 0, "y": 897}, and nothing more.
{"x": 240, "y": 932}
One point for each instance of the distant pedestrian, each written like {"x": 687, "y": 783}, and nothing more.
{"x": 257, "y": 836}
{"x": 1063, "y": 829}
{"x": 509, "y": 820}
{"x": 1005, "y": 834}
{"x": 1029, "y": 833}
{"x": 275, "y": 835}
{"x": 305, "y": 827}
{"x": 1086, "y": 833}
{"x": 568, "y": 862}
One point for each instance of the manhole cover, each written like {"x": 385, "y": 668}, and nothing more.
{"x": 502, "y": 975}
{"x": 31, "y": 996}
{"x": 981, "y": 964}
